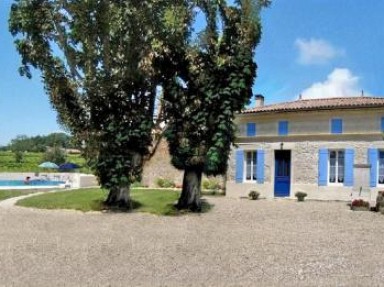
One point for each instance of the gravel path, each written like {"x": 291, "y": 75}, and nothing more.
{"x": 238, "y": 243}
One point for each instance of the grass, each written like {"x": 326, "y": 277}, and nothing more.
{"x": 153, "y": 201}
{"x": 91, "y": 199}
{"x": 5, "y": 194}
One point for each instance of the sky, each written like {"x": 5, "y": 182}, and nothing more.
{"x": 312, "y": 48}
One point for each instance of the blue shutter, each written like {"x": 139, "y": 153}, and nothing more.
{"x": 382, "y": 124}
{"x": 251, "y": 129}
{"x": 323, "y": 167}
{"x": 260, "y": 166}
{"x": 239, "y": 165}
{"x": 372, "y": 160}
{"x": 348, "y": 167}
{"x": 283, "y": 128}
{"x": 336, "y": 126}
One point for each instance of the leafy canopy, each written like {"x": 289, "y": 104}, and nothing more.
{"x": 96, "y": 60}
{"x": 207, "y": 79}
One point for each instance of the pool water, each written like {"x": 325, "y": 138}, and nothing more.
{"x": 33, "y": 182}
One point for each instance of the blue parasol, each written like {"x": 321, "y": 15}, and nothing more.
{"x": 68, "y": 166}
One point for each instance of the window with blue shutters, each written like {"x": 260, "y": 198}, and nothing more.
{"x": 249, "y": 166}
{"x": 336, "y": 126}
{"x": 251, "y": 129}
{"x": 283, "y": 128}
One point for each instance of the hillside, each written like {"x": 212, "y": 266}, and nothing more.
{"x": 31, "y": 160}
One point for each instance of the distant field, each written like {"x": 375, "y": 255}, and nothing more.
{"x": 31, "y": 161}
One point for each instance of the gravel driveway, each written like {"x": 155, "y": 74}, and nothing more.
{"x": 238, "y": 243}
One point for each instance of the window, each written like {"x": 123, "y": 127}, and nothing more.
{"x": 382, "y": 124}
{"x": 336, "y": 126}
{"x": 251, "y": 129}
{"x": 336, "y": 166}
{"x": 283, "y": 128}
{"x": 381, "y": 168}
{"x": 250, "y": 165}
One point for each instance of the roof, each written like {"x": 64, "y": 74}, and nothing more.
{"x": 320, "y": 104}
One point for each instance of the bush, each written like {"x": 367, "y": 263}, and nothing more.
{"x": 300, "y": 195}
{"x": 254, "y": 195}
{"x": 137, "y": 184}
{"x": 359, "y": 204}
{"x": 19, "y": 155}
{"x": 380, "y": 201}
{"x": 55, "y": 155}
{"x": 164, "y": 182}
{"x": 212, "y": 184}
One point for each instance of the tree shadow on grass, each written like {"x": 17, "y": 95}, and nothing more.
{"x": 116, "y": 209}
{"x": 173, "y": 211}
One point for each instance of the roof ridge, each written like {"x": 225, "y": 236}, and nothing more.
{"x": 312, "y": 104}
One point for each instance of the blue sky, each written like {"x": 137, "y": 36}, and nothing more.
{"x": 316, "y": 48}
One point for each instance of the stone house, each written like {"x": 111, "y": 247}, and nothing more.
{"x": 328, "y": 148}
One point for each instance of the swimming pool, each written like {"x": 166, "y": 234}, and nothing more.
{"x": 32, "y": 183}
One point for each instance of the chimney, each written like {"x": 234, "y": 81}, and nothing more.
{"x": 259, "y": 101}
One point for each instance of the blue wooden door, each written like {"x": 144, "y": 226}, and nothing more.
{"x": 282, "y": 172}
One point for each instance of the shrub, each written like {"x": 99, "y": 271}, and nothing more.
{"x": 254, "y": 195}
{"x": 210, "y": 184}
{"x": 359, "y": 204}
{"x": 380, "y": 201}
{"x": 19, "y": 155}
{"x": 55, "y": 155}
{"x": 300, "y": 195}
{"x": 164, "y": 182}
{"x": 137, "y": 184}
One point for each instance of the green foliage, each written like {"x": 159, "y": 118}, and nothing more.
{"x": 31, "y": 161}
{"x": 211, "y": 183}
{"x": 207, "y": 80}
{"x": 165, "y": 183}
{"x": 254, "y": 195}
{"x": 23, "y": 143}
{"x": 19, "y": 155}
{"x": 300, "y": 195}
{"x": 55, "y": 155}
{"x": 102, "y": 82}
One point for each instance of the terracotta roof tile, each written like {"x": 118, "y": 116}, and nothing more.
{"x": 320, "y": 104}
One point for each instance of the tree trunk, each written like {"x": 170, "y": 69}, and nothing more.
{"x": 190, "y": 195}
{"x": 119, "y": 197}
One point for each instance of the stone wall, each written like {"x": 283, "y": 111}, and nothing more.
{"x": 160, "y": 166}
{"x": 304, "y": 167}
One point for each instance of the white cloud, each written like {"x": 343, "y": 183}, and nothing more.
{"x": 316, "y": 51}
{"x": 339, "y": 83}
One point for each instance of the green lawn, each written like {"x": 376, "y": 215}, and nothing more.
{"x": 4, "y": 194}
{"x": 145, "y": 200}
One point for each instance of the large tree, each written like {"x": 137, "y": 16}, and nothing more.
{"x": 96, "y": 60}
{"x": 209, "y": 78}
